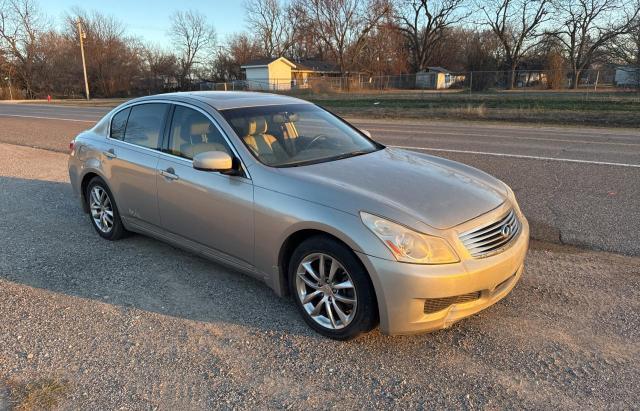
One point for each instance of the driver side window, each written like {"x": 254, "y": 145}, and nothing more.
{"x": 193, "y": 133}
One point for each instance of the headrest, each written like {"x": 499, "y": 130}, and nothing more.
{"x": 198, "y": 129}
{"x": 282, "y": 118}
{"x": 240, "y": 126}
{"x": 257, "y": 125}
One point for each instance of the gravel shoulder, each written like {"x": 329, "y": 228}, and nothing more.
{"x": 139, "y": 324}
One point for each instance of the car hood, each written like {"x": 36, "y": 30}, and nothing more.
{"x": 405, "y": 186}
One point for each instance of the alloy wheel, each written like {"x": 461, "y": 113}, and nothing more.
{"x": 101, "y": 209}
{"x": 326, "y": 291}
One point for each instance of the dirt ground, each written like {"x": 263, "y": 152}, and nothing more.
{"x": 137, "y": 324}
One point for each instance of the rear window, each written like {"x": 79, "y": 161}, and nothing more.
{"x": 119, "y": 124}
{"x": 145, "y": 124}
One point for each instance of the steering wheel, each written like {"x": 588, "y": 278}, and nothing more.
{"x": 316, "y": 139}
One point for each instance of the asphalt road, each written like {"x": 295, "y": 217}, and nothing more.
{"x": 137, "y": 324}
{"x": 577, "y": 186}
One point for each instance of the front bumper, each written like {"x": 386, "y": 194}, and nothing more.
{"x": 402, "y": 289}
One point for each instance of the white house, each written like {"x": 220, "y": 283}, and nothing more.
{"x": 627, "y": 76}
{"x": 437, "y": 78}
{"x": 283, "y": 74}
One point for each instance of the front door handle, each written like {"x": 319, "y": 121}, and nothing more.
{"x": 110, "y": 153}
{"x": 169, "y": 174}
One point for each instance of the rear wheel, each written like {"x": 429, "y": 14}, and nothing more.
{"x": 103, "y": 211}
{"x": 332, "y": 289}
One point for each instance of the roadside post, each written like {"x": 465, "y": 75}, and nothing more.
{"x": 8, "y": 79}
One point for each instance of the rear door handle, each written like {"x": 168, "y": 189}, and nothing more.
{"x": 110, "y": 153}
{"x": 169, "y": 174}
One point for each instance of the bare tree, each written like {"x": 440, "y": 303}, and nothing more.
{"x": 516, "y": 24}
{"x": 343, "y": 25}
{"x": 586, "y": 27}
{"x": 384, "y": 52}
{"x": 306, "y": 43}
{"x": 424, "y": 23}
{"x": 626, "y": 47}
{"x": 21, "y": 24}
{"x": 193, "y": 38}
{"x": 239, "y": 49}
{"x": 272, "y": 24}
{"x": 480, "y": 53}
{"x": 160, "y": 68}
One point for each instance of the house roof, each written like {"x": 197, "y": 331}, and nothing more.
{"x": 439, "y": 69}
{"x": 317, "y": 66}
{"x": 258, "y": 62}
{"x": 627, "y": 67}
{"x": 266, "y": 61}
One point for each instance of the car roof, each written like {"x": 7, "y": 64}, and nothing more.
{"x": 223, "y": 100}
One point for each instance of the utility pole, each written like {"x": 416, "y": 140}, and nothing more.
{"x": 83, "y": 35}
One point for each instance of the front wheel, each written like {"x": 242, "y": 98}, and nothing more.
{"x": 332, "y": 290}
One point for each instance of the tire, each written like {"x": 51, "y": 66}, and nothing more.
{"x": 315, "y": 294}
{"x": 109, "y": 227}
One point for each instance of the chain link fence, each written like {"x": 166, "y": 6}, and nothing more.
{"x": 430, "y": 82}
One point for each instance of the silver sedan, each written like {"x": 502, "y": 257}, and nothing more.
{"x": 359, "y": 234}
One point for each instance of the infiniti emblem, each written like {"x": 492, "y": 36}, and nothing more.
{"x": 506, "y": 231}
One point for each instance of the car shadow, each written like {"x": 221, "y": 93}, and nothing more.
{"x": 49, "y": 243}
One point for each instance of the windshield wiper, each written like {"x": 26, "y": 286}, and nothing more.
{"x": 351, "y": 154}
{"x": 326, "y": 159}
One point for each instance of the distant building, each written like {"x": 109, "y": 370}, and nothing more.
{"x": 283, "y": 74}
{"x": 437, "y": 78}
{"x": 627, "y": 76}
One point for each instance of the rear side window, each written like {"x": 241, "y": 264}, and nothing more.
{"x": 119, "y": 124}
{"x": 145, "y": 125}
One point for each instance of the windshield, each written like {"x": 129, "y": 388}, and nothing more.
{"x": 296, "y": 134}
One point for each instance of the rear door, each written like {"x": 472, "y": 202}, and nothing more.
{"x": 136, "y": 137}
{"x": 209, "y": 208}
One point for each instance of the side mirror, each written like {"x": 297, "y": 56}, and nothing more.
{"x": 213, "y": 161}
{"x": 366, "y": 132}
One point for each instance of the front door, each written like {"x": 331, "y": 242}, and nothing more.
{"x": 209, "y": 208}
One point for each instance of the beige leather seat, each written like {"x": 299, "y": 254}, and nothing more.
{"x": 289, "y": 131}
{"x": 201, "y": 139}
{"x": 259, "y": 141}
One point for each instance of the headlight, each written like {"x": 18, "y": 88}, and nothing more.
{"x": 407, "y": 245}
{"x": 512, "y": 198}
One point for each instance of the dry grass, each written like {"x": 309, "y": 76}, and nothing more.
{"x": 43, "y": 394}
{"x": 609, "y": 110}
{"x": 472, "y": 110}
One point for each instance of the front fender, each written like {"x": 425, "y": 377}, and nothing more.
{"x": 278, "y": 216}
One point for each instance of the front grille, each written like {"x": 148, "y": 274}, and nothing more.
{"x": 433, "y": 305}
{"x": 491, "y": 238}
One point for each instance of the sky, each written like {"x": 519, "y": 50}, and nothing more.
{"x": 149, "y": 19}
